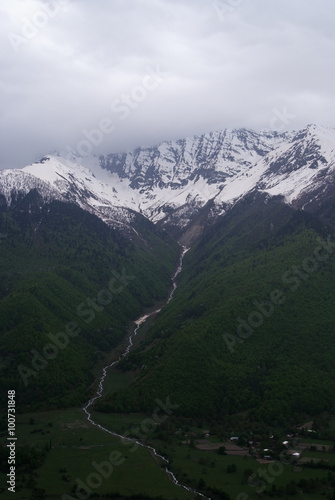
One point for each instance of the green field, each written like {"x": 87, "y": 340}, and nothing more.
{"x": 81, "y": 454}
{"x": 75, "y": 447}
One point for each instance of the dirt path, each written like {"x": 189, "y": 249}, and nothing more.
{"x": 231, "y": 449}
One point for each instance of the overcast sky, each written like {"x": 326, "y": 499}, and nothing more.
{"x": 110, "y": 75}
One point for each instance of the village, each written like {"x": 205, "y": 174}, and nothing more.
{"x": 303, "y": 446}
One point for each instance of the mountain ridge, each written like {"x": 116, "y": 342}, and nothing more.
{"x": 171, "y": 183}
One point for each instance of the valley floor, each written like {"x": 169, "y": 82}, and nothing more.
{"x": 62, "y": 456}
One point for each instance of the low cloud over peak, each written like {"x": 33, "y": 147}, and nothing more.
{"x": 141, "y": 71}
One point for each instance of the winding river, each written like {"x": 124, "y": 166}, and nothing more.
{"x": 88, "y": 407}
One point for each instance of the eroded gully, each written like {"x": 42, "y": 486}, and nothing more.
{"x": 88, "y": 407}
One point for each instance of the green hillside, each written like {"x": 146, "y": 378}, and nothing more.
{"x": 250, "y": 331}
{"x": 69, "y": 286}
{"x": 246, "y": 346}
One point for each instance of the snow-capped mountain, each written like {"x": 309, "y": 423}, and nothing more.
{"x": 172, "y": 182}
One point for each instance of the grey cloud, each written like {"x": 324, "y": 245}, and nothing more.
{"x": 229, "y": 70}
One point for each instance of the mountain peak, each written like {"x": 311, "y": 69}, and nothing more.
{"x": 174, "y": 181}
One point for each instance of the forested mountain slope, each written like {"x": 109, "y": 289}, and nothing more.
{"x": 251, "y": 328}
{"x": 69, "y": 287}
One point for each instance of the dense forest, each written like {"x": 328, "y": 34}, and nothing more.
{"x": 69, "y": 287}
{"x": 250, "y": 330}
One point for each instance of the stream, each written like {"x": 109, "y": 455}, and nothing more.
{"x": 98, "y": 395}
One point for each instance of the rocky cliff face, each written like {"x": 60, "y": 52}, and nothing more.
{"x": 189, "y": 181}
